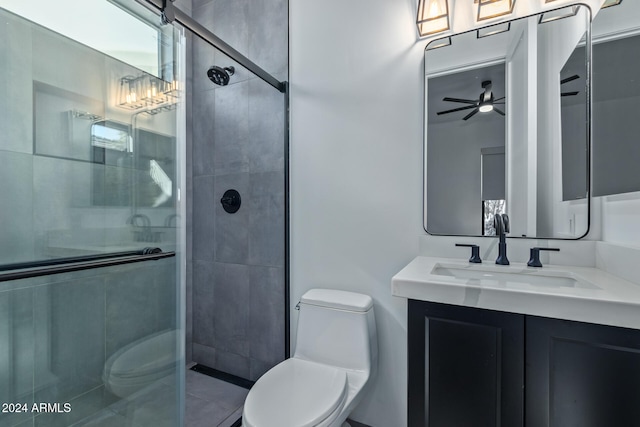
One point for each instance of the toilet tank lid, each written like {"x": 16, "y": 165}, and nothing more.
{"x": 341, "y": 300}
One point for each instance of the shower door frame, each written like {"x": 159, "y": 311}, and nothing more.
{"x": 170, "y": 14}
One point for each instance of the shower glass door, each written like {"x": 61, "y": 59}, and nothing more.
{"x": 91, "y": 174}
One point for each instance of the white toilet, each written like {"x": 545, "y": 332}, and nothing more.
{"x": 336, "y": 356}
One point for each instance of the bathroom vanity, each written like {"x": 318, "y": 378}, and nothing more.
{"x": 520, "y": 346}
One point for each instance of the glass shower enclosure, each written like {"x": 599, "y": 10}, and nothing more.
{"x": 91, "y": 216}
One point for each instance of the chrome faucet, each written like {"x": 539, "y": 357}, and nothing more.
{"x": 501, "y": 225}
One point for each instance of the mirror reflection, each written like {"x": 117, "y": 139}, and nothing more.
{"x": 506, "y": 128}
{"x": 616, "y": 96}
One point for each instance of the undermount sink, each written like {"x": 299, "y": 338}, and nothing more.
{"x": 503, "y": 275}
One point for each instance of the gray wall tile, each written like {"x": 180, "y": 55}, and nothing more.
{"x": 232, "y": 230}
{"x": 231, "y": 296}
{"x": 203, "y": 124}
{"x": 203, "y": 304}
{"x": 231, "y": 23}
{"x": 232, "y": 363}
{"x": 266, "y": 127}
{"x": 231, "y": 131}
{"x": 208, "y": 356}
{"x": 266, "y": 318}
{"x": 74, "y": 314}
{"x": 258, "y": 368}
{"x": 16, "y": 85}
{"x": 189, "y": 313}
{"x": 131, "y": 307}
{"x": 17, "y": 351}
{"x": 266, "y": 219}
{"x": 269, "y": 34}
{"x": 205, "y": 212}
{"x": 16, "y": 192}
{"x": 199, "y": 3}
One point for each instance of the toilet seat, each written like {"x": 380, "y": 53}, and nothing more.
{"x": 295, "y": 393}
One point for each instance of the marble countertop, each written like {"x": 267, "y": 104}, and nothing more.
{"x": 589, "y": 294}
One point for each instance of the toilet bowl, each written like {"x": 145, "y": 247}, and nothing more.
{"x": 335, "y": 359}
{"x": 141, "y": 363}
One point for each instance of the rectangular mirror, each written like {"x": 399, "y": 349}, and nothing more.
{"x": 507, "y": 127}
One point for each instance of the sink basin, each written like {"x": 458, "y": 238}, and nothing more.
{"x": 502, "y": 276}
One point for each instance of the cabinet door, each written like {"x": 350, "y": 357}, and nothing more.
{"x": 581, "y": 375}
{"x": 465, "y": 367}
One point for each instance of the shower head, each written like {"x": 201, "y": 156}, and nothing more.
{"x": 220, "y": 76}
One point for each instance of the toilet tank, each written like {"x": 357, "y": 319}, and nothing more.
{"x": 337, "y": 328}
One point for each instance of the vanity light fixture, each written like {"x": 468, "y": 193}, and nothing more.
{"x": 493, "y": 30}
{"x": 439, "y": 43}
{"x": 433, "y": 17}
{"x": 554, "y": 15}
{"x": 488, "y": 9}
{"x": 609, "y": 3}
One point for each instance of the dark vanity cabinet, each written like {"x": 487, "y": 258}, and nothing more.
{"x": 465, "y": 366}
{"x": 471, "y": 367}
{"x": 581, "y": 374}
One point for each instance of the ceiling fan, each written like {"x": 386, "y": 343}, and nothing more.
{"x": 567, "y": 80}
{"x": 483, "y": 104}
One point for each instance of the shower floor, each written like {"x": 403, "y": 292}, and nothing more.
{"x": 212, "y": 402}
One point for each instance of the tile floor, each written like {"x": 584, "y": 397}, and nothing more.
{"x": 212, "y": 402}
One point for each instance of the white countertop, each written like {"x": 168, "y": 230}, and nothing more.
{"x": 599, "y": 297}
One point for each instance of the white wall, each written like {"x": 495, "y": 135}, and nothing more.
{"x": 356, "y": 74}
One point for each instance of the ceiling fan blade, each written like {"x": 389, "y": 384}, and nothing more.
{"x": 501, "y": 102}
{"x": 464, "y": 101}
{"x": 499, "y": 99}
{"x": 439, "y": 113}
{"x": 497, "y": 110}
{"x": 569, "y": 79}
{"x": 471, "y": 114}
{"x": 569, "y": 93}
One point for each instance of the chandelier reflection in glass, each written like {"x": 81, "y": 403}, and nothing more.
{"x": 147, "y": 91}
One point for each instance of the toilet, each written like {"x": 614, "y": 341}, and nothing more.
{"x": 336, "y": 357}
{"x": 141, "y": 363}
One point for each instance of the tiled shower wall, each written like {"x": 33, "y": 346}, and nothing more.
{"x": 236, "y": 263}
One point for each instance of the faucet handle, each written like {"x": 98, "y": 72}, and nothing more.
{"x": 475, "y": 252}
{"x": 505, "y": 223}
{"x": 534, "y": 256}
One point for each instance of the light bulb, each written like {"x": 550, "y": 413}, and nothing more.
{"x": 486, "y": 108}
{"x": 435, "y": 9}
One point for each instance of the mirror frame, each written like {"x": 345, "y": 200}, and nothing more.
{"x": 446, "y": 41}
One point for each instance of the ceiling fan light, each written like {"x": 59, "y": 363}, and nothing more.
{"x": 485, "y": 108}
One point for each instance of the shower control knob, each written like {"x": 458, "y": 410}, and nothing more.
{"x": 231, "y": 201}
